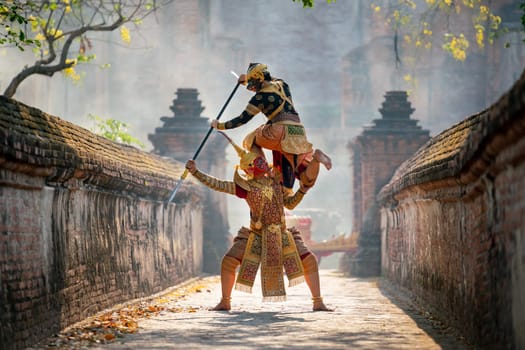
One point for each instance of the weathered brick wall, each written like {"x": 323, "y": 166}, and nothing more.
{"x": 82, "y": 224}
{"x": 453, "y": 224}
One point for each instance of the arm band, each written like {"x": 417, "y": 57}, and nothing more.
{"x": 291, "y": 202}
{"x": 214, "y": 183}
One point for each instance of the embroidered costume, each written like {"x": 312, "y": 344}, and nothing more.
{"x": 267, "y": 243}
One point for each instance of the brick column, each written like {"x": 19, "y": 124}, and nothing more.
{"x": 377, "y": 152}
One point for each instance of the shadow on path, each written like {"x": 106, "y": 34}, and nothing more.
{"x": 444, "y": 335}
{"x": 369, "y": 314}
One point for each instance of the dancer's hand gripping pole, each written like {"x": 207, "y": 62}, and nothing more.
{"x": 185, "y": 174}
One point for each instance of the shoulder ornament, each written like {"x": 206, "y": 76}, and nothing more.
{"x": 241, "y": 181}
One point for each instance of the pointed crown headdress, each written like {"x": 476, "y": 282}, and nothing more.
{"x": 246, "y": 157}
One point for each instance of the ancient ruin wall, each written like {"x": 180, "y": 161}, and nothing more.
{"x": 453, "y": 224}
{"x": 82, "y": 224}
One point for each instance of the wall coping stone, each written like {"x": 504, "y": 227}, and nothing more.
{"x": 67, "y": 155}
{"x": 456, "y": 152}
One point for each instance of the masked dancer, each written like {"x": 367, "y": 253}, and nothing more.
{"x": 283, "y": 133}
{"x": 267, "y": 243}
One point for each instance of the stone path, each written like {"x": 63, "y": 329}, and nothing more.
{"x": 368, "y": 315}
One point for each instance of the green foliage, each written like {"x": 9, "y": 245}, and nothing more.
{"x": 522, "y": 8}
{"x": 310, "y": 3}
{"x": 12, "y": 23}
{"x": 113, "y": 130}
{"x": 306, "y": 3}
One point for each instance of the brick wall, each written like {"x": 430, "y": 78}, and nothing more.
{"x": 453, "y": 224}
{"x": 82, "y": 224}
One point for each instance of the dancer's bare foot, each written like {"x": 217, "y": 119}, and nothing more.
{"x": 321, "y": 157}
{"x": 319, "y": 305}
{"x": 223, "y": 305}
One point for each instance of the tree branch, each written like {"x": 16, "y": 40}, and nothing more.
{"x": 99, "y": 11}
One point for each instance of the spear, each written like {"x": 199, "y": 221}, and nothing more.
{"x": 185, "y": 173}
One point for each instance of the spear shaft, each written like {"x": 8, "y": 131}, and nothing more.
{"x": 185, "y": 174}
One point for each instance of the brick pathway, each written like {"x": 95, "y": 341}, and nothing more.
{"x": 365, "y": 317}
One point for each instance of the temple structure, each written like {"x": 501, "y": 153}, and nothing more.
{"x": 377, "y": 152}
{"x": 179, "y": 138}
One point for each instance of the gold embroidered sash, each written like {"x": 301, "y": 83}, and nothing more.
{"x": 274, "y": 249}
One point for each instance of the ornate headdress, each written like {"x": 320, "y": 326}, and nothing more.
{"x": 248, "y": 159}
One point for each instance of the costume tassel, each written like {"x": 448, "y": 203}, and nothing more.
{"x": 274, "y": 299}
{"x": 243, "y": 288}
{"x": 295, "y": 281}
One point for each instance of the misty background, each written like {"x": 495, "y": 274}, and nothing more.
{"x": 337, "y": 58}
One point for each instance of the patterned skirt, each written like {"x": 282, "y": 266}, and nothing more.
{"x": 240, "y": 241}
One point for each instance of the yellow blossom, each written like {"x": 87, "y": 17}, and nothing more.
{"x": 407, "y": 38}
{"x": 71, "y": 73}
{"x": 480, "y": 38}
{"x": 495, "y": 21}
{"x": 40, "y": 37}
{"x": 34, "y": 25}
{"x": 396, "y": 15}
{"x": 56, "y": 33}
{"x": 469, "y": 3}
{"x": 457, "y": 46}
{"x": 124, "y": 35}
{"x": 407, "y": 77}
